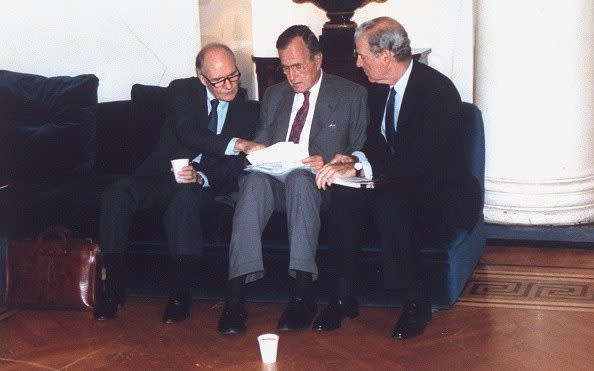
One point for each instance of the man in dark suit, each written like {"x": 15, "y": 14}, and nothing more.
{"x": 324, "y": 115}
{"x": 207, "y": 119}
{"x": 416, "y": 118}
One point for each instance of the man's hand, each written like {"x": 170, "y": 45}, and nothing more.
{"x": 315, "y": 162}
{"x": 247, "y": 146}
{"x": 341, "y": 166}
{"x": 343, "y": 159}
{"x": 189, "y": 175}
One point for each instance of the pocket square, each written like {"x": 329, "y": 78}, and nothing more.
{"x": 332, "y": 125}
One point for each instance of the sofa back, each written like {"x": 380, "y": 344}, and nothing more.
{"x": 128, "y": 130}
{"x": 476, "y": 160}
{"x": 47, "y": 126}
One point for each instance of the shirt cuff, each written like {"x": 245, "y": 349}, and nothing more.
{"x": 205, "y": 183}
{"x": 230, "y": 151}
{"x": 367, "y": 170}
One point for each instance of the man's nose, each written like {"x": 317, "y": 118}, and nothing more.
{"x": 291, "y": 74}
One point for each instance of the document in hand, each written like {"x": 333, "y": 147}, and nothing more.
{"x": 284, "y": 152}
{"x": 354, "y": 182}
{"x": 278, "y": 160}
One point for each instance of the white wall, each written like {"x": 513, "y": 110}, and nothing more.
{"x": 271, "y": 17}
{"x": 445, "y": 26}
{"x": 122, "y": 42}
{"x": 230, "y": 22}
{"x": 155, "y": 41}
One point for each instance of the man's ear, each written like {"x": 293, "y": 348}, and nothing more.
{"x": 202, "y": 79}
{"x": 318, "y": 58}
{"x": 387, "y": 55}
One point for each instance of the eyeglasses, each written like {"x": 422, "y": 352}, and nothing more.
{"x": 220, "y": 82}
{"x": 298, "y": 67}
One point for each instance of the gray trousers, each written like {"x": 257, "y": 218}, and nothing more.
{"x": 259, "y": 196}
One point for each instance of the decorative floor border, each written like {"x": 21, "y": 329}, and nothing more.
{"x": 530, "y": 287}
{"x": 5, "y": 313}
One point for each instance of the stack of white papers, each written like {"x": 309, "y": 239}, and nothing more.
{"x": 278, "y": 160}
{"x": 284, "y": 152}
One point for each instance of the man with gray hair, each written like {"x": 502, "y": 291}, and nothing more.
{"x": 415, "y": 120}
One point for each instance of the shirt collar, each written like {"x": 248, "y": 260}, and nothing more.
{"x": 315, "y": 89}
{"x": 210, "y": 96}
{"x": 400, "y": 85}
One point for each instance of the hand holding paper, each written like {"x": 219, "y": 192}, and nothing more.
{"x": 278, "y": 160}
{"x": 283, "y": 152}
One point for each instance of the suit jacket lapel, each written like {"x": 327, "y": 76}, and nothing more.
{"x": 230, "y": 120}
{"x": 201, "y": 109}
{"x": 406, "y": 107}
{"x": 284, "y": 115}
{"x": 323, "y": 109}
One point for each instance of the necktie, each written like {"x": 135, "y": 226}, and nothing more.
{"x": 213, "y": 117}
{"x": 299, "y": 120}
{"x": 390, "y": 127}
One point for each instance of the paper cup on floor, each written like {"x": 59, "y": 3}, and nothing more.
{"x": 268, "y": 347}
{"x": 177, "y": 165}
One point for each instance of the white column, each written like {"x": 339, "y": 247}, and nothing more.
{"x": 534, "y": 83}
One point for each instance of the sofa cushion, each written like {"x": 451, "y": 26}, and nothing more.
{"x": 47, "y": 126}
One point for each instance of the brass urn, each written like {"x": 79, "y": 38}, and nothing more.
{"x": 339, "y": 11}
{"x": 337, "y": 34}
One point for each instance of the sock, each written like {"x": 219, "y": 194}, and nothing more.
{"x": 303, "y": 284}
{"x": 235, "y": 290}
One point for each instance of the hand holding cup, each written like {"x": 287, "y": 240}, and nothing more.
{"x": 180, "y": 168}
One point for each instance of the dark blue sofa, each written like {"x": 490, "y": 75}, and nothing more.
{"x": 451, "y": 266}
{"x": 123, "y": 133}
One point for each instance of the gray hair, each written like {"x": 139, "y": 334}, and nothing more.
{"x": 207, "y": 48}
{"x": 385, "y": 33}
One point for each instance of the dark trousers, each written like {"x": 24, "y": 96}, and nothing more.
{"x": 181, "y": 219}
{"x": 403, "y": 227}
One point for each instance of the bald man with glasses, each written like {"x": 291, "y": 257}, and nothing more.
{"x": 208, "y": 121}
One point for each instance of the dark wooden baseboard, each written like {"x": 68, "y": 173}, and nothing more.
{"x": 577, "y": 234}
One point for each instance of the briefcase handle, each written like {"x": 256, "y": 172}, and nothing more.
{"x": 53, "y": 232}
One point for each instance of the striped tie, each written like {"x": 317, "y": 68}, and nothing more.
{"x": 299, "y": 119}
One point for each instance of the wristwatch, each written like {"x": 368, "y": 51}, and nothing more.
{"x": 358, "y": 167}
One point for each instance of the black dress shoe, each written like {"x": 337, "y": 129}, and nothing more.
{"x": 232, "y": 319}
{"x": 177, "y": 308}
{"x": 298, "y": 314}
{"x": 107, "y": 307}
{"x": 332, "y": 316}
{"x": 413, "y": 320}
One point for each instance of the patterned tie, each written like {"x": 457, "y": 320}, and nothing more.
{"x": 299, "y": 119}
{"x": 213, "y": 117}
{"x": 390, "y": 127}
